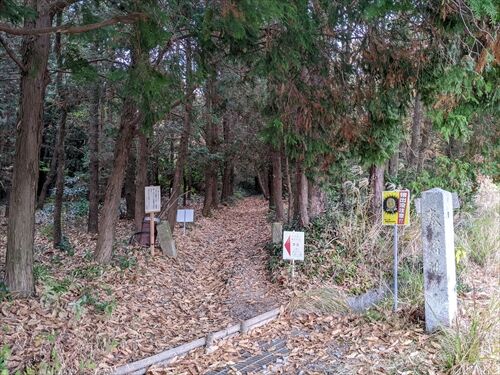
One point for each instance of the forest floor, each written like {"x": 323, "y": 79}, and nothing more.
{"x": 375, "y": 342}
{"x": 87, "y": 318}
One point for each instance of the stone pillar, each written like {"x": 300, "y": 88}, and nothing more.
{"x": 166, "y": 240}
{"x": 439, "y": 259}
{"x": 277, "y": 232}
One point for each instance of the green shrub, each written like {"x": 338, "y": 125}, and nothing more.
{"x": 4, "y": 292}
{"x": 454, "y": 175}
{"x": 47, "y": 231}
{"x": 88, "y": 272}
{"x": 4, "y": 357}
{"x": 89, "y": 298}
{"x": 41, "y": 272}
{"x": 79, "y": 208}
{"x": 125, "y": 262}
{"x": 53, "y": 289}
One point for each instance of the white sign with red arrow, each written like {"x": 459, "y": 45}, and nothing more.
{"x": 293, "y": 245}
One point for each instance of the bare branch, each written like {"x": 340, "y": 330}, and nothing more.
{"x": 68, "y": 29}
{"x": 12, "y": 54}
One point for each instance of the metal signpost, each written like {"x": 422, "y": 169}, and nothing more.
{"x": 293, "y": 247}
{"x": 152, "y": 204}
{"x": 396, "y": 211}
{"x": 185, "y": 216}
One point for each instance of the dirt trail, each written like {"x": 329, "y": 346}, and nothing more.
{"x": 156, "y": 303}
{"x": 232, "y": 243}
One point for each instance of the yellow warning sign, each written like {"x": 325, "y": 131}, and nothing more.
{"x": 396, "y": 207}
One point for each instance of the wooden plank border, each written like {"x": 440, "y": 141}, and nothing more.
{"x": 140, "y": 367}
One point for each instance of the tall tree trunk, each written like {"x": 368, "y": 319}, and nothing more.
{"x": 269, "y": 179}
{"x": 263, "y": 184}
{"x": 426, "y": 136}
{"x": 58, "y": 203}
{"x": 393, "y": 164}
{"x": 228, "y": 171}
{"x": 185, "y": 189}
{"x": 210, "y": 188}
{"x": 317, "y": 200}
{"x": 289, "y": 190}
{"x": 189, "y": 184}
{"x": 184, "y": 143}
{"x": 21, "y": 226}
{"x": 52, "y": 172}
{"x": 302, "y": 214}
{"x": 155, "y": 167}
{"x": 415, "y": 132}
{"x": 94, "y": 135}
{"x": 141, "y": 179}
{"x": 111, "y": 205}
{"x": 129, "y": 185}
{"x": 7, "y": 199}
{"x": 277, "y": 185}
{"x": 61, "y": 159}
{"x": 377, "y": 186}
{"x": 211, "y": 197}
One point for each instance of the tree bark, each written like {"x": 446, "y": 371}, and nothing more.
{"x": 184, "y": 144}
{"x": 111, "y": 205}
{"x": 317, "y": 200}
{"x": 155, "y": 167}
{"x": 377, "y": 186}
{"x": 228, "y": 170}
{"x": 58, "y": 203}
{"x": 302, "y": 214}
{"x": 20, "y": 233}
{"x": 393, "y": 164}
{"x": 210, "y": 201}
{"x": 415, "y": 132}
{"x": 269, "y": 179}
{"x": 426, "y": 136}
{"x": 277, "y": 185}
{"x": 141, "y": 179}
{"x": 263, "y": 184}
{"x": 184, "y": 189}
{"x": 129, "y": 185}
{"x": 52, "y": 173}
{"x": 94, "y": 135}
{"x": 289, "y": 190}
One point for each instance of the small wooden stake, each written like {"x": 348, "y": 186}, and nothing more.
{"x": 152, "y": 232}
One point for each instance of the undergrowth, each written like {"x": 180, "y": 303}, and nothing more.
{"x": 471, "y": 347}
{"x": 343, "y": 245}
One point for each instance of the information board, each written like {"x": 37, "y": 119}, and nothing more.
{"x": 152, "y": 201}
{"x": 293, "y": 245}
{"x": 185, "y": 216}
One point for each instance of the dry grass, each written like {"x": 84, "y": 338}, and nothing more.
{"x": 472, "y": 346}
{"x": 321, "y": 300}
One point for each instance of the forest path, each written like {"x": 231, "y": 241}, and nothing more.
{"x": 96, "y": 317}
{"x": 230, "y": 246}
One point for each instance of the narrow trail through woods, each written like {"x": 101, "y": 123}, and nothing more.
{"x": 231, "y": 250}
{"x": 218, "y": 279}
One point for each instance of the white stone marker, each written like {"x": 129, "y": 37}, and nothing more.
{"x": 439, "y": 259}
{"x": 277, "y": 230}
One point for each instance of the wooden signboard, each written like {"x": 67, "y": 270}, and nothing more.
{"x": 152, "y": 204}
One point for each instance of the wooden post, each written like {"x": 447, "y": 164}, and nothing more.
{"x": 152, "y": 232}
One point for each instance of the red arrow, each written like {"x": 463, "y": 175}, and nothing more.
{"x": 288, "y": 247}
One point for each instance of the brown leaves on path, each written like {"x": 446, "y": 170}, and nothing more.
{"x": 87, "y": 317}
